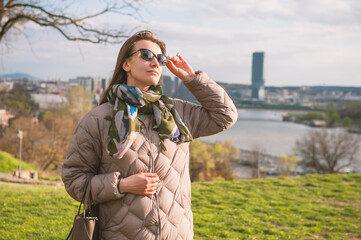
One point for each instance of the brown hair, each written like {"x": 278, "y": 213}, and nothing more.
{"x": 120, "y": 75}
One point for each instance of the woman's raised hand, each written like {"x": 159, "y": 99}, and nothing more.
{"x": 179, "y": 67}
{"x": 141, "y": 184}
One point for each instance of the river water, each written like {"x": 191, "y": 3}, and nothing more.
{"x": 264, "y": 130}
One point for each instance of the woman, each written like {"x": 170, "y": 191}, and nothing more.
{"x": 134, "y": 147}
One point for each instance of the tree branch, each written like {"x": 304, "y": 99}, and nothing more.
{"x": 9, "y": 3}
{"x": 9, "y": 24}
{"x": 15, "y": 12}
{"x": 61, "y": 17}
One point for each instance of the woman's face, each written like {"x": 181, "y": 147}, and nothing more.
{"x": 142, "y": 73}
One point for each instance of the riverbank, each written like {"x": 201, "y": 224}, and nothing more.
{"x": 279, "y": 107}
{"x": 265, "y": 131}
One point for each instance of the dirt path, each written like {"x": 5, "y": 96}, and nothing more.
{"x": 8, "y": 178}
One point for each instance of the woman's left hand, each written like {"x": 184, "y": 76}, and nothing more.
{"x": 179, "y": 67}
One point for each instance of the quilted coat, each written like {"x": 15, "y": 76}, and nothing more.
{"x": 167, "y": 214}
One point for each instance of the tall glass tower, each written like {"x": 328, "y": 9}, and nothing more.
{"x": 257, "y": 75}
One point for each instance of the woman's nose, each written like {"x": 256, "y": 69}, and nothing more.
{"x": 155, "y": 62}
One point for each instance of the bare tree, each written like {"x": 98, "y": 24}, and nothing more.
{"x": 14, "y": 14}
{"x": 256, "y": 157}
{"x": 328, "y": 152}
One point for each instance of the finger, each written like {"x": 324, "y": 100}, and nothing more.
{"x": 151, "y": 189}
{"x": 150, "y": 175}
{"x": 151, "y": 186}
{"x": 171, "y": 66}
{"x": 175, "y": 60}
{"x": 154, "y": 180}
{"x": 180, "y": 57}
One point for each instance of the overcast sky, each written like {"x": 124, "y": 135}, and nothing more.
{"x": 306, "y": 42}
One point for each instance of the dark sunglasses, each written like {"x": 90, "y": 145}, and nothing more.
{"x": 148, "y": 55}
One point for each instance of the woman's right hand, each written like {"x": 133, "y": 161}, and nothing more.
{"x": 143, "y": 183}
{"x": 180, "y": 67}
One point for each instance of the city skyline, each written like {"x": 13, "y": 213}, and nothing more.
{"x": 309, "y": 43}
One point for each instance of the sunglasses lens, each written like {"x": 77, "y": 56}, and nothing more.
{"x": 147, "y": 54}
{"x": 162, "y": 59}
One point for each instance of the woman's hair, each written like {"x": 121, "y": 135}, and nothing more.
{"x": 120, "y": 75}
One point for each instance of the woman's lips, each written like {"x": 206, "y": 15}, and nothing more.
{"x": 153, "y": 72}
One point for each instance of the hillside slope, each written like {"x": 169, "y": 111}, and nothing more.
{"x": 9, "y": 164}
{"x": 308, "y": 207}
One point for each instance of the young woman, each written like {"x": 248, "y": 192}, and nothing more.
{"x": 134, "y": 147}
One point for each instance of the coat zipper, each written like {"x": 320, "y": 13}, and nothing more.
{"x": 155, "y": 196}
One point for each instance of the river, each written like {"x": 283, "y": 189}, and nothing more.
{"x": 265, "y": 130}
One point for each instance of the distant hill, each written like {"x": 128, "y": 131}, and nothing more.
{"x": 14, "y": 76}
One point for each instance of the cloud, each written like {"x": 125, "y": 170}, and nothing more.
{"x": 306, "y": 42}
{"x": 330, "y": 12}
{"x": 320, "y": 11}
{"x": 231, "y": 9}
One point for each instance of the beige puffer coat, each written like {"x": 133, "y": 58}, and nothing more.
{"x": 166, "y": 215}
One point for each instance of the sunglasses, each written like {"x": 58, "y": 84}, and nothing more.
{"x": 148, "y": 55}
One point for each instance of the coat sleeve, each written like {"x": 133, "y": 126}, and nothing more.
{"x": 216, "y": 113}
{"x": 83, "y": 162}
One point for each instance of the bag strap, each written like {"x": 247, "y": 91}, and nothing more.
{"x": 84, "y": 202}
{"x": 87, "y": 198}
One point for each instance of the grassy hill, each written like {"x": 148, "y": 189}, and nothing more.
{"x": 308, "y": 207}
{"x": 8, "y": 163}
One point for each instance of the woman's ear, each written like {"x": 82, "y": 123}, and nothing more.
{"x": 126, "y": 66}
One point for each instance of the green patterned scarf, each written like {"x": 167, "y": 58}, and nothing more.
{"x": 125, "y": 126}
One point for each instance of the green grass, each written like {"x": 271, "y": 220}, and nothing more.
{"x": 8, "y": 163}
{"x": 35, "y": 212}
{"x": 309, "y": 207}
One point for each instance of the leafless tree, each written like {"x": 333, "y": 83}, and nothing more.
{"x": 256, "y": 157}
{"x": 328, "y": 152}
{"x": 15, "y": 14}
